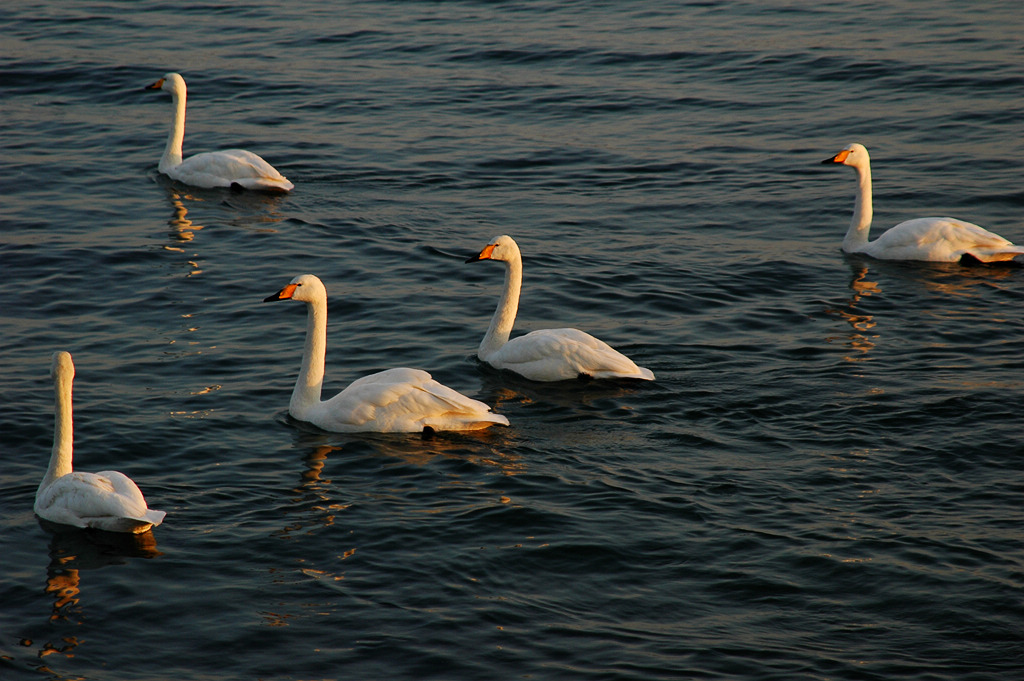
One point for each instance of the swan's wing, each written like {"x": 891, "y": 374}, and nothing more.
{"x": 229, "y": 167}
{"x": 562, "y": 354}
{"x": 126, "y": 488}
{"x": 941, "y": 240}
{"x": 102, "y": 500}
{"x": 402, "y": 400}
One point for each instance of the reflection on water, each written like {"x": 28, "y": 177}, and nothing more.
{"x": 316, "y": 508}
{"x": 504, "y": 387}
{"x": 860, "y": 341}
{"x": 71, "y": 551}
{"x": 945, "y": 280}
{"x": 182, "y": 229}
{"x": 956, "y": 279}
{"x": 485, "y": 447}
{"x": 315, "y": 505}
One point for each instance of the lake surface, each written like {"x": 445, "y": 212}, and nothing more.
{"x": 824, "y": 482}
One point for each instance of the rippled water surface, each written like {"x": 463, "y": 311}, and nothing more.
{"x": 824, "y": 481}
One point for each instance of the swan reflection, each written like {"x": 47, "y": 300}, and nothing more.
{"x": 504, "y": 388}
{"x": 71, "y": 551}
{"x": 313, "y": 500}
{"x": 481, "y": 447}
{"x": 182, "y": 229}
{"x": 861, "y": 341}
{"x": 947, "y": 281}
{"x": 315, "y": 504}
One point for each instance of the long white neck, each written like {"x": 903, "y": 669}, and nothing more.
{"x": 505, "y": 314}
{"x": 860, "y": 224}
{"x": 176, "y": 137}
{"x": 311, "y": 376}
{"x": 63, "y": 432}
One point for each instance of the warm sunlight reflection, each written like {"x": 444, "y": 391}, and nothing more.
{"x": 955, "y": 279}
{"x": 313, "y": 501}
{"x": 182, "y": 228}
{"x": 71, "y": 553}
{"x": 63, "y": 585}
{"x": 861, "y": 341}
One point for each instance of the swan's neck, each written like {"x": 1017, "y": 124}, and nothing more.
{"x": 176, "y": 137}
{"x": 311, "y": 377}
{"x": 63, "y": 434}
{"x": 860, "y": 224}
{"x": 505, "y": 314}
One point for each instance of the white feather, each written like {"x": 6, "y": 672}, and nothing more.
{"x": 931, "y": 239}
{"x": 547, "y": 354}
{"x": 395, "y": 400}
{"x": 107, "y": 500}
{"x": 232, "y": 167}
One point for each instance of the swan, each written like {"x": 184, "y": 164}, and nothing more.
{"x": 107, "y": 500}
{"x": 228, "y": 168}
{"x": 546, "y": 354}
{"x": 932, "y": 239}
{"x": 392, "y": 401}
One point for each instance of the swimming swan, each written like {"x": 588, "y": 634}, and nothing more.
{"x": 933, "y": 239}
{"x": 229, "y": 168}
{"x": 391, "y": 401}
{"x": 546, "y": 354}
{"x": 107, "y": 500}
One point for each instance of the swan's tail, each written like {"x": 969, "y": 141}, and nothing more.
{"x": 1001, "y": 254}
{"x": 142, "y": 523}
{"x": 457, "y": 421}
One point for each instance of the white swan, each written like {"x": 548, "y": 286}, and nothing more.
{"x": 933, "y": 239}
{"x": 229, "y": 168}
{"x": 107, "y": 500}
{"x": 391, "y": 401}
{"x": 546, "y": 354}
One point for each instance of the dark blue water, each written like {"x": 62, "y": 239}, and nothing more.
{"x": 825, "y": 481}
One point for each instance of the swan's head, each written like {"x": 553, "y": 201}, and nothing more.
{"x": 306, "y": 288}
{"x": 852, "y": 155}
{"x": 499, "y": 248}
{"x": 171, "y": 82}
{"x": 62, "y": 367}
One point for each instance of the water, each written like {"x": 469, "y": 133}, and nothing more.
{"x": 824, "y": 482}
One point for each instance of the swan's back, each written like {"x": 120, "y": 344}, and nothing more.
{"x": 563, "y": 354}
{"x": 228, "y": 168}
{"x": 941, "y": 239}
{"x": 400, "y": 400}
{"x": 107, "y": 500}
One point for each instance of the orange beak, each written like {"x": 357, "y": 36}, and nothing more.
{"x": 284, "y": 294}
{"x": 484, "y": 254}
{"x": 838, "y": 158}
{"x": 155, "y": 86}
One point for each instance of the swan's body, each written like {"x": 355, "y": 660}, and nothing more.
{"x": 229, "y": 168}
{"x": 107, "y": 500}
{"x": 391, "y": 401}
{"x": 547, "y": 354}
{"x": 932, "y": 239}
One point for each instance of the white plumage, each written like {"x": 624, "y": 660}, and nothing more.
{"x": 931, "y": 239}
{"x": 231, "y": 167}
{"x": 547, "y": 354}
{"x": 107, "y": 500}
{"x": 395, "y": 400}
